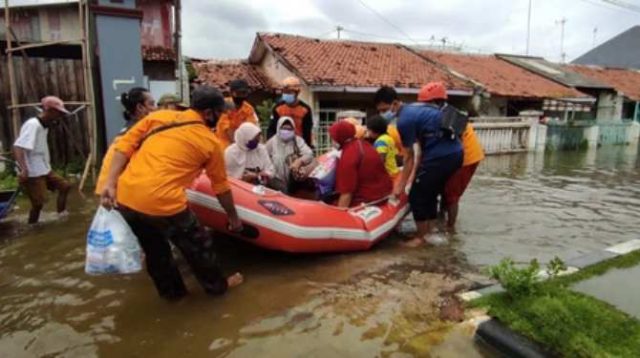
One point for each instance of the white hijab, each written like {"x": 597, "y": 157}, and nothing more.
{"x": 238, "y": 157}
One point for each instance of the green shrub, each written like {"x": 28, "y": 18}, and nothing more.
{"x": 516, "y": 281}
{"x": 555, "y": 267}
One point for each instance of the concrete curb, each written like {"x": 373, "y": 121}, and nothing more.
{"x": 506, "y": 341}
{"x": 509, "y": 343}
{"x": 573, "y": 265}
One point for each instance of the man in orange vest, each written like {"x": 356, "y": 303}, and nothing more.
{"x": 292, "y": 106}
{"x": 233, "y": 118}
{"x": 153, "y": 163}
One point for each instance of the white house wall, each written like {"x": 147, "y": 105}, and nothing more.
{"x": 609, "y": 106}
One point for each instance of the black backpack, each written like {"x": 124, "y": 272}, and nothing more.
{"x": 454, "y": 122}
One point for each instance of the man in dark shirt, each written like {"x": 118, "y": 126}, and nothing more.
{"x": 291, "y": 106}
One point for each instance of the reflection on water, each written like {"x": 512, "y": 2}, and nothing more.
{"x": 387, "y": 302}
{"x": 539, "y": 206}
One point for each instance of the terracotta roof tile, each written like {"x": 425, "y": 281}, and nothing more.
{"x": 358, "y": 64}
{"x": 502, "y": 78}
{"x": 626, "y": 81}
{"x": 158, "y": 53}
{"x": 220, "y": 73}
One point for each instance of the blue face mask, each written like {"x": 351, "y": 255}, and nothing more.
{"x": 288, "y": 98}
{"x": 388, "y": 115}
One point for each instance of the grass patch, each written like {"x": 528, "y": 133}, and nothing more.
{"x": 567, "y": 322}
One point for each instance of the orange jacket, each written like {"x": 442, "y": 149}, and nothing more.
{"x": 231, "y": 120}
{"x": 160, "y": 170}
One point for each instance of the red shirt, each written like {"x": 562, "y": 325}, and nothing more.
{"x": 362, "y": 173}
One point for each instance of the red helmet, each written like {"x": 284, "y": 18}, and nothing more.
{"x": 432, "y": 91}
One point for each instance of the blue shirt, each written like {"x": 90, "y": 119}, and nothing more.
{"x": 421, "y": 123}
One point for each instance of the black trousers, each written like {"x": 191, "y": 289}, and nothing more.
{"x": 184, "y": 231}
{"x": 429, "y": 183}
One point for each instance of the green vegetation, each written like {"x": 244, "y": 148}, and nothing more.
{"x": 8, "y": 180}
{"x": 264, "y": 110}
{"x": 73, "y": 167}
{"x": 568, "y": 323}
{"x": 264, "y": 113}
{"x": 516, "y": 281}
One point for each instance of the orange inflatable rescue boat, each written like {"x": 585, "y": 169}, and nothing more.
{"x": 276, "y": 221}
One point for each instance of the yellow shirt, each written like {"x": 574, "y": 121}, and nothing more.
{"x": 167, "y": 163}
{"x": 473, "y": 152}
{"x": 385, "y": 145}
{"x": 231, "y": 120}
{"x": 392, "y": 130}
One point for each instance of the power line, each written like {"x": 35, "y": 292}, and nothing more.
{"x": 326, "y": 34}
{"x": 373, "y": 35}
{"x": 607, "y": 6}
{"x": 529, "y": 28}
{"x": 624, "y": 5}
{"x": 397, "y": 28}
{"x": 562, "y": 22}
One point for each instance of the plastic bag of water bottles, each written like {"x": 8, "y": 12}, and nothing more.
{"x": 324, "y": 173}
{"x": 112, "y": 248}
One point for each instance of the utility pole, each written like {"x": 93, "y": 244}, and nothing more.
{"x": 339, "y": 29}
{"x": 529, "y": 28}
{"x": 595, "y": 34}
{"x": 562, "y": 22}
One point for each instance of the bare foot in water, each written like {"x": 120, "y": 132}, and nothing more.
{"x": 413, "y": 243}
{"x": 235, "y": 280}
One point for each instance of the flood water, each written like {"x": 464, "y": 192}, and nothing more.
{"x": 618, "y": 287}
{"x": 390, "y": 302}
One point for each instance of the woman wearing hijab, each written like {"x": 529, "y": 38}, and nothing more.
{"x": 360, "y": 176}
{"x": 247, "y": 158}
{"x": 289, "y": 153}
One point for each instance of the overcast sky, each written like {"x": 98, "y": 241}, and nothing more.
{"x": 227, "y": 28}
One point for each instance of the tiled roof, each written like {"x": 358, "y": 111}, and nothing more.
{"x": 626, "y": 81}
{"x": 502, "y": 78}
{"x": 220, "y": 73}
{"x": 158, "y": 53}
{"x": 338, "y": 63}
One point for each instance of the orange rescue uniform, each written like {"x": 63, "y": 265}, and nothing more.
{"x": 108, "y": 157}
{"x": 167, "y": 163}
{"x": 473, "y": 152}
{"x": 231, "y": 120}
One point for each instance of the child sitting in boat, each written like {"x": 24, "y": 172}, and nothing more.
{"x": 383, "y": 143}
{"x": 247, "y": 158}
{"x": 360, "y": 176}
{"x": 290, "y": 154}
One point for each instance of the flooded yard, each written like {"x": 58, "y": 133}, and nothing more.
{"x": 390, "y": 301}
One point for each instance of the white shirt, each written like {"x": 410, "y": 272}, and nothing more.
{"x": 33, "y": 138}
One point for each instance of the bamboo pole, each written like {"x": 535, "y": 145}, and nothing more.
{"x": 42, "y": 44}
{"x": 83, "y": 19}
{"x": 15, "y": 114}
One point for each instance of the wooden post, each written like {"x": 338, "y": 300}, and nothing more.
{"x": 15, "y": 113}
{"x": 83, "y": 19}
{"x": 177, "y": 20}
